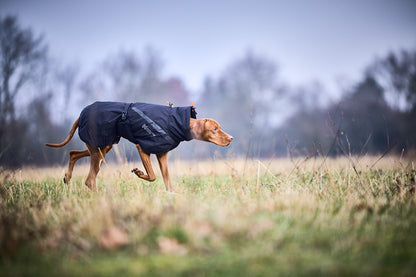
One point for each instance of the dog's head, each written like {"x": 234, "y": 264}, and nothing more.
{"x": 209, "y": 130}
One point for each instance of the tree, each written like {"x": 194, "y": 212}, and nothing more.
{"x": 362, "y": 122}
{"x": 397, "y": 74}
{"x": 129, "y": 77}
{"x": 66, "y": 79}
{"x": 367, "y": 121}
{"x": 243, "y": 99}
{"x": 20, "y": 54}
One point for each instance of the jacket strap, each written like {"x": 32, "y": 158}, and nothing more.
{"x": 154, "y": 125}
{"x": 124, "y": 113}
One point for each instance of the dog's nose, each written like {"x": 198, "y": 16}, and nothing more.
{"x": 230, "y": 138}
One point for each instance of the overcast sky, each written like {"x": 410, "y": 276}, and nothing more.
{"x": 309, "y": 40}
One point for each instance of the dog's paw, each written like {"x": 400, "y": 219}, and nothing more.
{"x": 137, "y": 171}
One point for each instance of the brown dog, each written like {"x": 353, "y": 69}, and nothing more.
{"x": 201, "y": 129}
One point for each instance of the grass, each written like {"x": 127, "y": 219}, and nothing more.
{"x": 228, "y": 218}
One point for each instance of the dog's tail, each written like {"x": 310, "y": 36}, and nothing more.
{"x": 71, "y": 134}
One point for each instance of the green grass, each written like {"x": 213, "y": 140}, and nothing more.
{"x": 271, "y": 218}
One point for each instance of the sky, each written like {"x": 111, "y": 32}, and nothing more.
{"x": 322, "y": 40}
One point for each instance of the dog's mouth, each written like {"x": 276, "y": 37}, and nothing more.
{"x": 226, "y": 144}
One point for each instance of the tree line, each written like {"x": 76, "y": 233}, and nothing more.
{"x": 40, "y": 97}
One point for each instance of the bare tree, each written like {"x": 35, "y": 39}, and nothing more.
{"x": 244, "y": 99}
{"x": 247, "y": 87}
{"x": 67, "y": 77}
{"x": 397, "y": 74}
{"x": 20, "y": 54}
{"x": 127, "y": 76}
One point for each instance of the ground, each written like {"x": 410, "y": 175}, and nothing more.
{"x": 345, "y": 216}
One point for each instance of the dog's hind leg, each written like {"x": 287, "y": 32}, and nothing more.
{"x": 163, "y": 164}
{"x": 150, "y": 176}
{"x": 74, "y": 156}
{"x": 97, "y": 157}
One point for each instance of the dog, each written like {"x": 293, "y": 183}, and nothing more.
{"x": 154, "y": 129}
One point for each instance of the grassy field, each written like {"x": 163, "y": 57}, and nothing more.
{"x": 334, "y": 217}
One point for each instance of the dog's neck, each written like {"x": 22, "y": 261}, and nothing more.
{"x": 196, "y": 127}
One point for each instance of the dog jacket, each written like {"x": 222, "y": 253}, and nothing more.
{"x": 156, "y": 128}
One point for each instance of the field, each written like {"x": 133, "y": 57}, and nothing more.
{"x": 333, "y": 217}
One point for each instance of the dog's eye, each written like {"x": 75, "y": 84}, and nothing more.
{"x": 215, "y": 129}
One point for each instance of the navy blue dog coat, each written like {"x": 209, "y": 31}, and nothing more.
{"x": 156, "y": 128}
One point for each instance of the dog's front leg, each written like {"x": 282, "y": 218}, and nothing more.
{"x": 163, "y": 164}
{"x": 150, "y": 176}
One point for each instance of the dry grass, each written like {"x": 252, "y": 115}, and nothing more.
{"x": 232, "y": 167}
{"x": 228, "y": 217}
